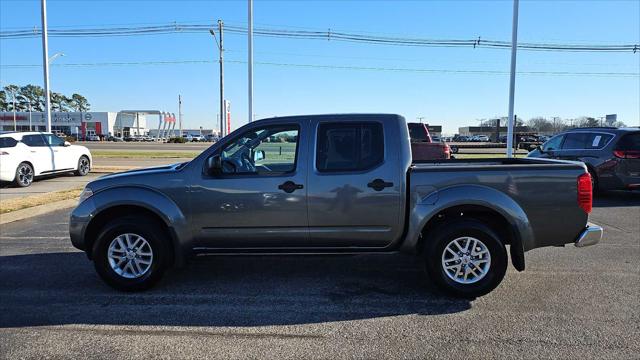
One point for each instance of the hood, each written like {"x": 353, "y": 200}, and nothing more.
{"x": 138, "y": 176}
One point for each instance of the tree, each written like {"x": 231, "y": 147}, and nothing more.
{"x": 32, "y": 94}
{"x": 59, "y": 102}
{"x": 540, "y": 124}
{"x": 79, "y": 103}
{"x": 585, "y": 121}
{"x": 619, "y": 124}
{"x": 12, "y": 92}
{"x": 4, "y": 105}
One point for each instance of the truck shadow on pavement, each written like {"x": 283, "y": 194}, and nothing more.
{"x": 63, "y": 288}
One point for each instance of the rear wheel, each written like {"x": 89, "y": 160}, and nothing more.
{"x": 83, "y": 166}
{"x": 131, "y": 254}
{"x": 24, "y": 175}
{"x": 594, "y": 181}
{"x": 465, "y": 258}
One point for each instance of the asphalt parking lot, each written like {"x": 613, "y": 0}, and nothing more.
{"x": 569, "y": 303}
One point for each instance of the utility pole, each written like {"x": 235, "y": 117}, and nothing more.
{"x": 13, "y": 98}
{"x": 45, "y": 65}
{"x": 420, "y": 118}
{"x": 512, "y": 78}
{"x": 29, "y": 100}
{"x": 250, "y": 60}
{"x": 180, "y": 113}
{"x": 221, "y": 52}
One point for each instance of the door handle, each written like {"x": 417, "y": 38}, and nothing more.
{"x": 379, "y": 184}
{"x": 290, "y": 186}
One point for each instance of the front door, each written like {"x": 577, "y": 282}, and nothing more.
{"x": 355, "y": 185}
{"x": 259, "y": 197}
{"x": 63, "y": 158}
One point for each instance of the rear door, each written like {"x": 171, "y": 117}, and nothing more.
{"x": 354, "y": 184}
{"x": 40, "y": 154}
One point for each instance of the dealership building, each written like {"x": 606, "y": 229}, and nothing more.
{"x": 102, "y": 123}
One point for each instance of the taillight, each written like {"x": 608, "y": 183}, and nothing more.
{"x": 627, "y": 154}
{"x": 585, "y": 196}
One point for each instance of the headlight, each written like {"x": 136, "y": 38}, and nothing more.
{"x": 86, "y": 193}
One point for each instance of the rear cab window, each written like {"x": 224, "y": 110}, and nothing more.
{"x": 349, "y": 146}
{"x": 8, "y": 142}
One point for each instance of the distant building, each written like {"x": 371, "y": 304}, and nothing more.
{"x": 203, "y": 132}
{"x": 105, "y": 123}
{"x": 490, "y": 131}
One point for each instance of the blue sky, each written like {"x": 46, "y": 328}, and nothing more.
{"x": 449, "y": 99}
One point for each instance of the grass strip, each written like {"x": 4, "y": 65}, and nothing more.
{"x": 145, "y": 154}
{"x": 10, "y": 205}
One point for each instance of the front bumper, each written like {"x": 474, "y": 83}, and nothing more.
{"x": 591, "y": 235}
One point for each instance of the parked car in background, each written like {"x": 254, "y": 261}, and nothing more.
{"x": 211, "y": 138}
{"x": 347, "y": 185}
{"x": 199, "y": 138}
{"x": 92, "y": 137}
{"x": 26, "y": 155}
{"x": 187, "y": 137}
{"x": 612, "y": 155}
{"x": 422, "y": 145}
{"x": 482, "y": 138}
{"x": 115, "y": 139}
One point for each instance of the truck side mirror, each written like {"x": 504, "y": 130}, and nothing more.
{"x": 214, "y": 165}
{"x": 258, "y": 155}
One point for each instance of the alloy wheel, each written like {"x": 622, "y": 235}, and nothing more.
{"x": 466, "y": 260}
{"x": 130, "y": 255}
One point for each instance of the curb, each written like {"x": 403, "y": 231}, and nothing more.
{"x": 36, "y": 210}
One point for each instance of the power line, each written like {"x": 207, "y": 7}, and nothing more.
{"x": 334, "y": 67}
{"x": 328, "y": 35}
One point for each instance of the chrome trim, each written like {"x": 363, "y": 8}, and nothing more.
{"x": 591, "y": 235}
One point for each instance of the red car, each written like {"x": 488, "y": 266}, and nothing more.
{"x": 423, "y": 147}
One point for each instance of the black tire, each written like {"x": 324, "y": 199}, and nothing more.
{"x": 24, "y": 175}
{"x": 149, "y": 230}
{"x": 84, "y": 166}
{"x": 595, "y": 187}
{"x": 446, "y": 234}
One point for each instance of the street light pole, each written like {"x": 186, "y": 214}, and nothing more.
{"x": 15, "y": 124}
{"x": 45, "y": 64}
{"x": 29, "y": 100}
{"x": 250, "y": 34}
{"x": 512, "y": 78}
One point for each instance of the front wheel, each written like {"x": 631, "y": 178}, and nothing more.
{"x": 131, "y": 254}
{"x": 83, "y": 166}
{"x": 465, "y": 258}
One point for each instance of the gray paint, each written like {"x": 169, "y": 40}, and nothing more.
{"x": 337, "y": 212}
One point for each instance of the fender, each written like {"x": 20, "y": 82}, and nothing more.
{"x": 427, "y": 205}
{"x": 142, "y": 196}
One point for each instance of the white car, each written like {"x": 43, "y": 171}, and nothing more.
{"x": 483, "y": 138}
{"x": 26, "y": 155}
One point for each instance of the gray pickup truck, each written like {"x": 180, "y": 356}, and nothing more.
{"x": 333, "y": 184}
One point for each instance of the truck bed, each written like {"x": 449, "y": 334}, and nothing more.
{"x": 545, "y": 189}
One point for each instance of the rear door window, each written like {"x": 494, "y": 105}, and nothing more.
{"x": 8, "y": 142}
{"x": 34, "y": 140}
{"x": 349, "y": 146}
{"x": 575, "y": 141}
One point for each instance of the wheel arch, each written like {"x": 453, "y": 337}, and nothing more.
{"x": 133, "y": 201}
{"x": 500, "y": 212}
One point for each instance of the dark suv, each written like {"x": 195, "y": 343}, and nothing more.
{"x": 612, "y": 155}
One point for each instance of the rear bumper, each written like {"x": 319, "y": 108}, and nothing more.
{"x": 591, "y": 235}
